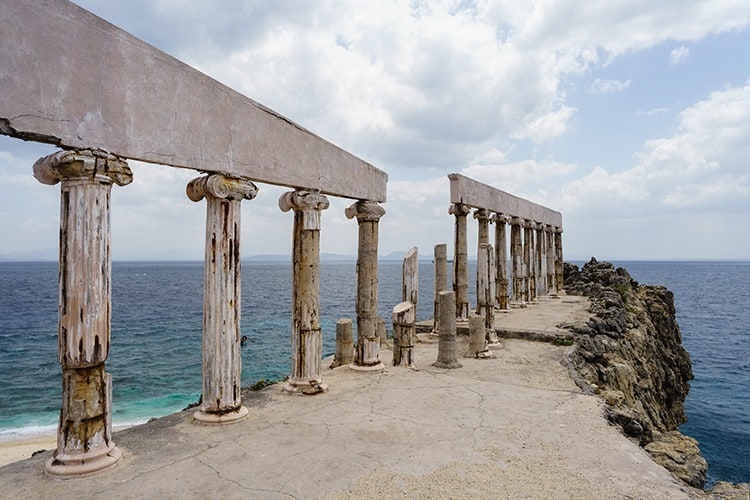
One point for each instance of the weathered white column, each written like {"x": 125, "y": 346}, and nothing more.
{"x": 460, "y": 261}
{"x": 550, "y": 240}
{"x": 483, "y": 238}
{"x": 501, "y": 258}
{"x": 344, "y": 354}
{"x": 221, "y": 400}
{"x": 542, "y": 235}
{"x": 516, "y": 255}
{"x": 368, "y": 214}
{"x": 306, "y": 334}
{"x": 477, "y": 340}
{"x": 410, "y": 276}
{"x": 538, "y": 258}
{"x": 404, "y": 334}
{"x": 559, "y": 278}
{"x": 528, "y": 261}
{"x": 441, "y": 283}
{"x": 447, "y": 357}
{"x": 84, "y": 433}
{"x": 486, "y": 291}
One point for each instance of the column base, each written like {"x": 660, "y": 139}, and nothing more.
{"x": 305, "y": 388}
{"x": 379, "y": 366}
{"x": 84, "y": 464}
{"x": 231, "y": 417}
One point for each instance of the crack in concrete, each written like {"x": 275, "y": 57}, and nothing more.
{"x": 240, "y": 485}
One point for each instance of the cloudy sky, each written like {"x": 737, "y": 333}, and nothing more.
{"x": 631, "y": 117}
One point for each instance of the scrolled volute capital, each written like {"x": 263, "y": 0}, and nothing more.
{"x": 497, "y": 218}
{"x": 558, "y": 230}
{"x": 95, "y": 165}
{"x": 516, "y": 221}
{"x": 365, "y": 211}
{"x": 459, "y": 210}
{"x": 309, "y": 202}
{"x": 221, "y": 187}
{"x": 482, "y": 214}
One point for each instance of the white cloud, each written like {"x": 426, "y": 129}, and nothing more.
{"x": 678, "y": 55}
{"x": 603, "y": 86}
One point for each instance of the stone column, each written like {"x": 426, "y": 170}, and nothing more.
{"x": 404, "y": 334}
{"x": 528, "y": 261}
{"x": 483, "y": 238}
{"x": 501, "y": 258}
{"x": 306, "y": 334}
{"x": 368, "y": 214}
{"x": 84, "y": 433}
{"x": 344, "y": 354}
{"x": 486, "y": 292}
{"x": 516, "y": 255}
{"x": 447, "y": 357}
{"x": 460, "y": 261}
{"x": 441, "y": 283}
{"x": 221, "y": 401}
{"x": 551, "y": 282}
{"x": 538, "y": 259}
{"x": 559, "y": 278}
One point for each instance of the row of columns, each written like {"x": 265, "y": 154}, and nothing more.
{"x": 85, "y": 428}
{"x": 535, "y": 256}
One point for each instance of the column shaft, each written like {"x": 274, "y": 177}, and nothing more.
{"x": 441, "y": 283}
{"x": 559, "y": 279}
{"x": 221, "y": 401}
{"x": 516, "y": 255}
{"x": 528, "y": 262}
{"x": 460, "y": 261}
{"x": 550, "y": 240}
{"x": 538, "y": 250}
{"x": 306, "y": 333}
{"x": 501, "y": 258}
{"x": 84, "y": 434}
{"x": 483, "y": 217}
{"x": 368, "y": 214}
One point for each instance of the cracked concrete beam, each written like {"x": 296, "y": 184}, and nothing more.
{"x": 72, "y": 79}
{"x": 475, "y": 194}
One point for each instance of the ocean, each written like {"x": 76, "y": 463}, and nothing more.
{"x": 156, "y": 339}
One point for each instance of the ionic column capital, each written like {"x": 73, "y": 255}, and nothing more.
{"x": 482, "y": 214}
{"x": 459, "y": 210}
{"x": 516, "y": 221}
{"x": 498, "y": 218}
{"x": 365, "y": 211}
{"x": 82, "y": 164}
{"x": 309, "y": 203}
{"x": 558, "y": 230}
{"x": 221, "y": 187}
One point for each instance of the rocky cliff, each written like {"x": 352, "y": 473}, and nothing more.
{"x": 630, "y": 352}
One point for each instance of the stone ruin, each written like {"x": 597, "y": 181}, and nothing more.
{"x": 104, "y": 97}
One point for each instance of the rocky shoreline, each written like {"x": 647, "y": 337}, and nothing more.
{"x": 630, "y": 353}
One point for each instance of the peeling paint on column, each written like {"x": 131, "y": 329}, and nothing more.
{"x": 367, "y": 353}
{"x": 84, "y": 435}
{"x": 306, "y": 333}
{"x": 460, "y": 261}
{"x": 222, "y": 296}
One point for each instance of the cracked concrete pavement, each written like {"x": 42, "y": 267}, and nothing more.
{"x": 511, "y": 427}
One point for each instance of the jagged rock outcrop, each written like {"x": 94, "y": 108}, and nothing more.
{"x": 630, "y": 352}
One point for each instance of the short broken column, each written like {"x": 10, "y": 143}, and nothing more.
{"x": 477, "y": 340}
{"x": 307, "y": 337}
{"x": 344, "y": 354}
{"x": 447, "y": 357}
{"x": 441, "y": 283}
{"x": 516, "y": 255}
{"x": 460, "y": 261}
{"x": 404, "y": 334}
{"x": 368, "y": 214}
{"x": 483, "y": 217}
{"x": 501, "y": 258}
{"x": 486, "y": 291}
{"x": 84, "y": 433}
{"x": 221, "y": 400}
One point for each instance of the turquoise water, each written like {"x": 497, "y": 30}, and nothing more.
{"x": 156, "y": 338}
